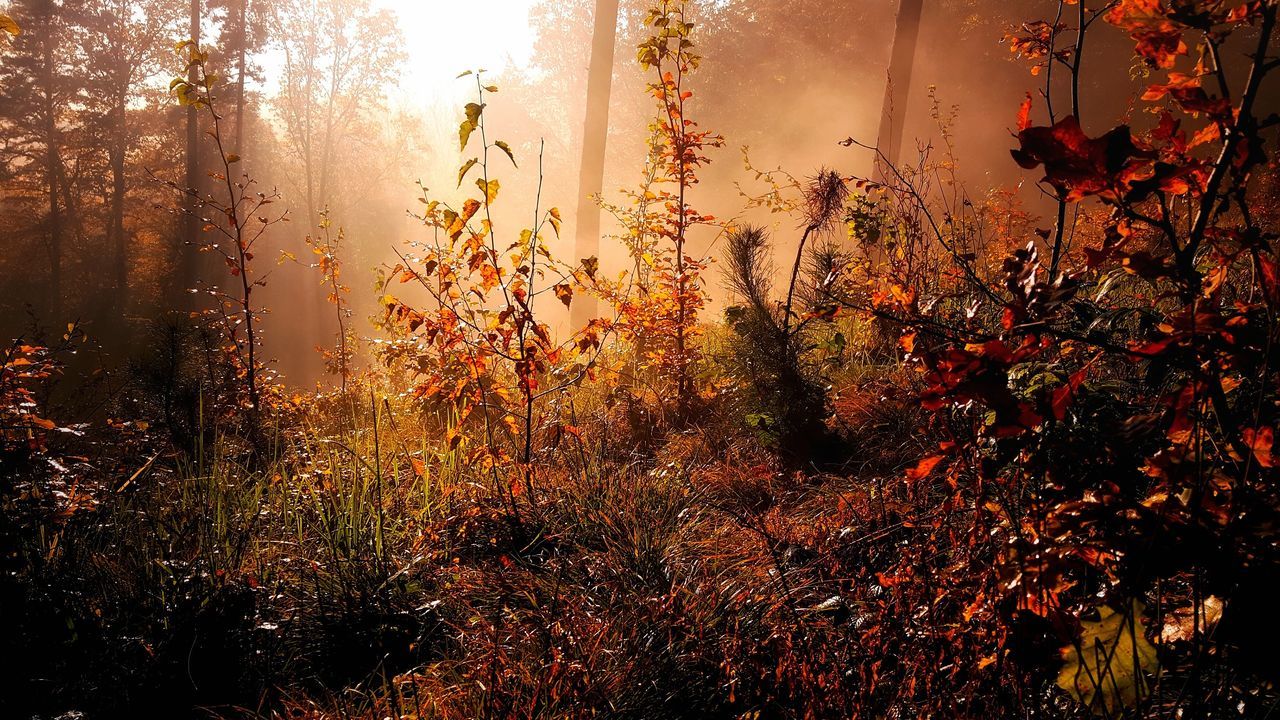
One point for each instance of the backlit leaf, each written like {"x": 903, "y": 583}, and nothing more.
{"x": 1107, "y": 671}
{"x": 466, "y": 168}
{"x": 555, "y": 220}
{"x": 504, "y": 147}
{"x": 464, "y": 134}
{"x": 489, "y": 189}
{"x": 565, "y": 293}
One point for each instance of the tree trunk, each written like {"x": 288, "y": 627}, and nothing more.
{"x": 897, "y": 92}
{"x": 242, "y": 39}
{"x": 594, "y": 138}
{"x": 191, "y": 225}
{"x": 116, "y": 229}
{"x": 52, "y": 173}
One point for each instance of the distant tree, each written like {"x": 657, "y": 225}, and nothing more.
{"x": 190, "y": 228}
{"x": 901, "y": 62}
{"x": 594, "y": 137}
{"x": 40, "y": 83}
{"x": 338, "y": 57}
{"x": 125, "y": 45}
{"x": 246, "y": 29}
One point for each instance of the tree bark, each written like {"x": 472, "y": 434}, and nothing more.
{"x": 191, "y": 226}
{"x": 116, "y": 229}
{"x": 53, "y": 173}
{"x": 897, "y": 91}
{"x": 242, "y": 40}
{"x": 594, "y": 138}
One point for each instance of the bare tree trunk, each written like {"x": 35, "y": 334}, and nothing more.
{"x": 242, "y": 39}
{"x": 594, "y": 138}
{"x": 116, "y": 229}
{"x": 191, "y": 225}
{"x": 897, "y": 92}
{"x": 55, "y": 232}
{"x": 52, "y": 172}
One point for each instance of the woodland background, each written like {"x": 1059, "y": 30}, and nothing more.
{"x": 723, "y": 359}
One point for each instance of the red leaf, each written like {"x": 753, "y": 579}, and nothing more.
{"x": 1063, "y": 396}
{"x": 1260, "y": 442}
{"x": 1075, "y": 164}
{"x": 924, "y": 467}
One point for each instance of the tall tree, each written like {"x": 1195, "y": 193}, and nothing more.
{"x": 244, "y": 31}
{"x": 126, "y": 45}
{"x": 39, "y": 83}
{"x": 191, "y": 225}
{"x": 897, "y": 91}
{"x": 242, "y": 51}
{"x": 339, "y": 55}
{"x": 595, "y": 136}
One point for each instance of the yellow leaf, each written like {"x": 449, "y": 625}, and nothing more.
{"x": 466, "y": 168}
{"x": 1107, "y": 670}
{"x": 490, "y": 190}
{"x": 470, "y": 125}
{"x": 504, "y": 147}
{"x": 8, "y": 25}
{"x": 555, "y": 219}
{"x": 464, "y": 133}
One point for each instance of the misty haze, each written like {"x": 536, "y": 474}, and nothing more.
{"x": 732, "y": 359}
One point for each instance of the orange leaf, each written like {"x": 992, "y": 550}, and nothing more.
{"x": 924, "y": 467}
{"x": 1024, "y": 114}
{"x": 1260, "y": 441}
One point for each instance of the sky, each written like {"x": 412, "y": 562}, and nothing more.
{"x": 445, "y": 37}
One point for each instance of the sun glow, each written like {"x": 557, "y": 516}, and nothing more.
{"x": 446, "y": 37}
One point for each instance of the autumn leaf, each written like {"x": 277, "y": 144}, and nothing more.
{"x": 489, "y": 276}
{"x": 488, "y": 189}
{"x": 8, "y": 25}
{"x": 469, "y": 208}
{"x": 1107, "y": 670}
{"x": 565, "y": 293}
{"x": 1180, "y": 624}
{"x": 924, "y": 467}
{"x": 1260, "y": 441}
{"x": 504, "y": 147}
{"x": 464, "y": 134}
{"x": 1065, "y": 395}
{"x": 1075, "y": 164}
{"x": 466, "y": 168}
{"x": 555, "y": 220}
{"x": 907, "y": 342}
{"x": 1024, "y": 114}
{"x": 1158, "y": 40}
{"x": 470, "y": 125}
{"x": 419, "y": 468}
{"x": 590, "y": 266}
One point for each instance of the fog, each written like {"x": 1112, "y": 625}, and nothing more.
{"x": 782, "y": 82}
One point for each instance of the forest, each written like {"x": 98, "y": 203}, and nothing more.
{"x": 654, "y": 359}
